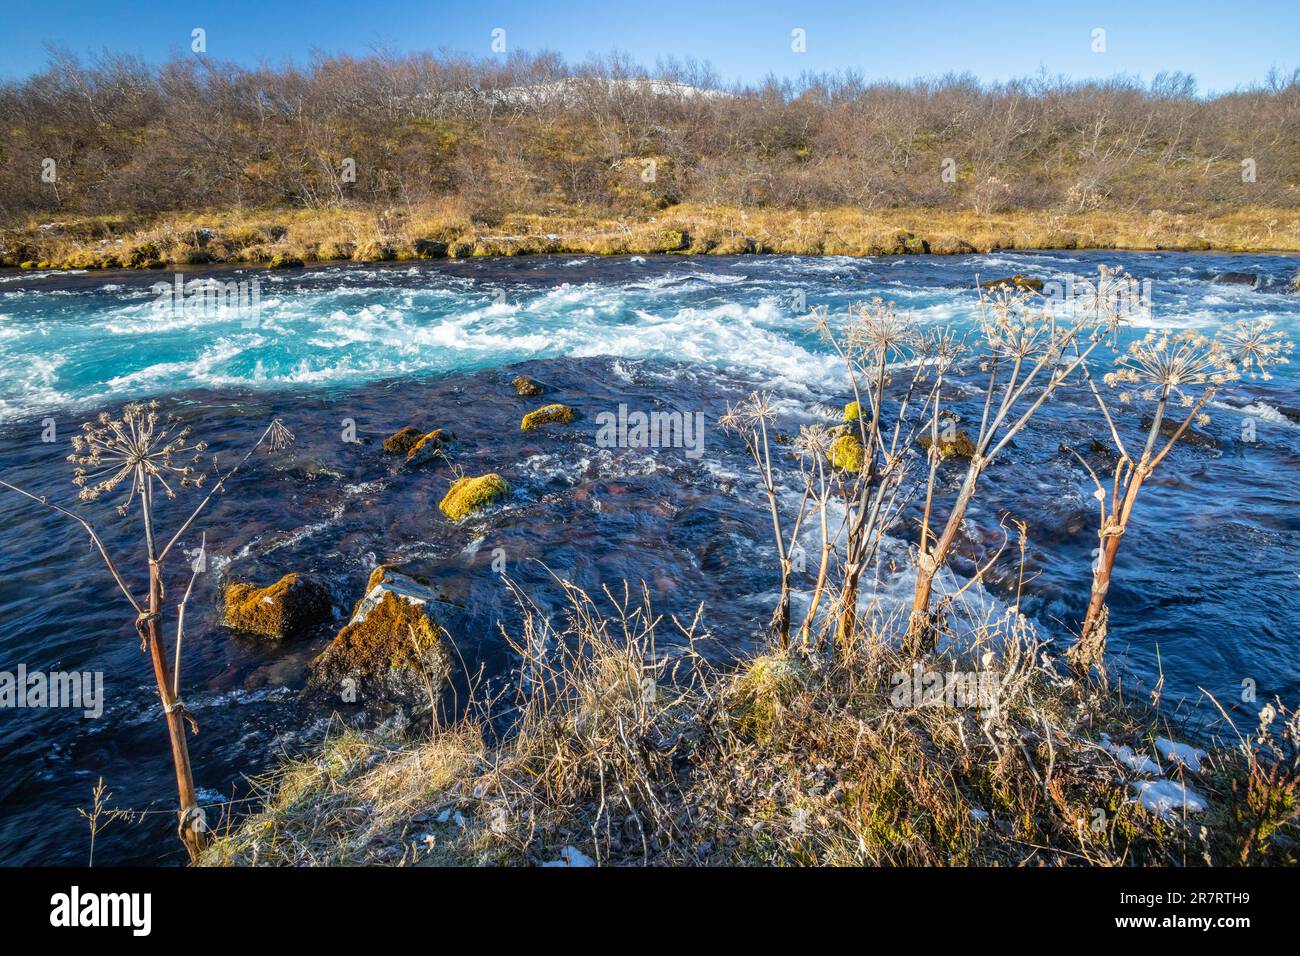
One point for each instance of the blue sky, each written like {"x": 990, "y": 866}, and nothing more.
{"x": 1225, "y": 45}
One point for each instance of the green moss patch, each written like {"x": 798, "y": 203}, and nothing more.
{"x": 468, "y": 495}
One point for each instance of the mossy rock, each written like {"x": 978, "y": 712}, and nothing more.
{"x": 950, "y": 246}
{"x": 1016, "y": 281}
{"x": 194, "y": 257}
{"x": 846, "y": 453}
{"x": 427, "y": 447}
{"x": 289, "y": 607}
{"x": 284, "y": 262}
{"x": 142, "y": 255}
{"x": 468, "y": 495}
{"x": 959, "y": 445}
{"x": 392, "y": 652}
{"x": 401, "y": 442}
{"x": 673, "y": 240}
{"x": 527, "y": 387}
{"x": 852, "y": 411}
{"x": 430, "y": 248}
{"x": 374, "y": 252}
{"x": 547, "y": 415}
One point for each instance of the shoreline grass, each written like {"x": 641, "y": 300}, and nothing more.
{"x": 285, "y": 238}
{"x": 788, "y": 758}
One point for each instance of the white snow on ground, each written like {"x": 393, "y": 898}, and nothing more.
{"x": 1167, "y": 797}
{"x": 1182, "y": 754}
{"x": 1138, "y": 763}
{"x": 571, "y": 856}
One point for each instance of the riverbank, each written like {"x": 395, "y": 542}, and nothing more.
{"x": 290, "y": 237}
{"x": 616, "y": 757}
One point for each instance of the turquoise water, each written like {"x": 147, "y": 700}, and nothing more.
{"x": 90, "y": 339}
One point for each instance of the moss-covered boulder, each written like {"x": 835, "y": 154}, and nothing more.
{"x": 958, "y": 445}
{"x": 468, "y": 495}
{"x": 284, "y": 262}
{"x": 846, "y": 453}
{"x": 547, "y": 415}
{"x": 430, "y": 248}
{"x": 401, "y": 442}
{"x": 1016, "y": 282}
{"x": 852, "y": 412}
{"x": 291, "y": 606}
{"x": 527, "y": 387}
{"x": 391, "y": 653}
{"x": 672, "y": 240}
{"x": 427, "y": 447}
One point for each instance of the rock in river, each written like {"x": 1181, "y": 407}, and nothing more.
{"x": 289, "y": 607}
{"x": 391, "y": 653}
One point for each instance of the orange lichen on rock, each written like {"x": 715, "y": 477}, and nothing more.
{"x": 427, "y": 447}
{"x": 394, "y": 653}
{"x": 288, "y": 607}
{"x": 401, "y": 442}
{"x": 527, "y": 386}
{"x": 547, "y": 415}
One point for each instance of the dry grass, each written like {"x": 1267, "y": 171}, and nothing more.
{"x": 434, "y": 230}
{"x": 636, "y": 757}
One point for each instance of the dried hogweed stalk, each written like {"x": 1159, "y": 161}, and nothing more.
{"x": 129, "y": 450}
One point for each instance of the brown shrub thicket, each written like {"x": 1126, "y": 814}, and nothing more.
{"x": 531, "y": 134}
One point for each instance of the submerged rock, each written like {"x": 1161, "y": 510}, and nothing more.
{"x": 1237, "y": 278}
{"x": 1016, "y": 281}
{"x": 289, "y": 607}
{"x": 1192, "y": 436}
{"x": 527, "y": 387}
{"x": 547, "y": 415}
{"x": 468, "y": 495}
{"x": 308, "y": 469}
{"x": 392, "y": 652}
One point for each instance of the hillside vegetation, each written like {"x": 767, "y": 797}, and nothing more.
{"x": 115, "y": 162}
